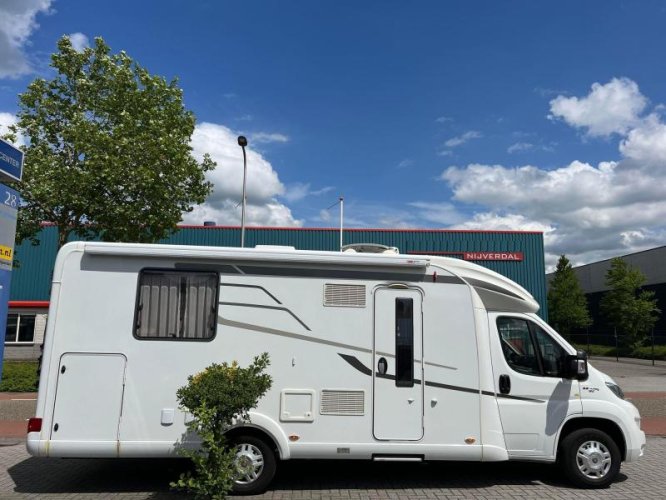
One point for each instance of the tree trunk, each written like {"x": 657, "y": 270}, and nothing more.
{"x": 63, "y": 234}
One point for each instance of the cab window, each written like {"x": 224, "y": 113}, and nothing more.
{"x": 528, "y": 349}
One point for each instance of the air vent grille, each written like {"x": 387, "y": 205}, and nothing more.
{"x": 337, "y": 402}
{"x": 336, "y": 295}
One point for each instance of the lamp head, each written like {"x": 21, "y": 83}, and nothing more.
{"x": 242, "y": 141}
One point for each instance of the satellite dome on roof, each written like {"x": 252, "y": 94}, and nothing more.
{"x": 369, "y": 248}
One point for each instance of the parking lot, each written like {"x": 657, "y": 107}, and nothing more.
{"x": 23, "y": 476}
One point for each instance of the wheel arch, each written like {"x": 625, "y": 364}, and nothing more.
{"x": 608, "y": 426}
{"x": 258, "y": 432}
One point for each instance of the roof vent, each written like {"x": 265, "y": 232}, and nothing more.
{"x": 369, "y": 248}
{"x": 210, "y": 223}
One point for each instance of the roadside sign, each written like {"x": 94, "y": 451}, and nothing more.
{"x": 11, "y": 161}
{"x": 9, "y": 203}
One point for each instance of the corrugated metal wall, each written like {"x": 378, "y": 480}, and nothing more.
{"x": 31, "y": 281}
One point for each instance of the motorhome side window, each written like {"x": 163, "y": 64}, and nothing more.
{"x": 529, "y": 349}
{"x": 176, "y": 305}
{"x": 404, "y": 342}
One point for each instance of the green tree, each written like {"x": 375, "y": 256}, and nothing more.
{"x": 567, "y": 305}
{"x": 108, "y": 152}
{"x": 632, "y": 311}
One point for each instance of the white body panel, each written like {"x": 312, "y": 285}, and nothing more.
{"x": 328, "y": 398}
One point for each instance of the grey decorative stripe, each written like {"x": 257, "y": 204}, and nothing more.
{"x": 240, "y": 285}
{"x": 493, "y": 288}
{"x": 274, "y": 308}
{"x": 283, "y": 333}
{"x": 307, "y": 338}
{"x": 353, "y": 361}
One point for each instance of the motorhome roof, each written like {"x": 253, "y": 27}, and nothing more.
{"x": 493, "y": 287}
{"x": 276, "y": 254}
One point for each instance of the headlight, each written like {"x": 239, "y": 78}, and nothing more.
{"x": 616, "y": 389}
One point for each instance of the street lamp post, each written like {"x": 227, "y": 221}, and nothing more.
{"x": 242, "y": 142}
{"x": 342, "y": 211}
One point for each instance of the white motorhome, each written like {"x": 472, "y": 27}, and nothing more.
{"x": 373, "y": 356}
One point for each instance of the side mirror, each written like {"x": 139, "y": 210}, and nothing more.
{"x": 576, "y": 366}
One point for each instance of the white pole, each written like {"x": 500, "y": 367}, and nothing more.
{"x": 242, "y": 142}
{"x": 342, "y": 212}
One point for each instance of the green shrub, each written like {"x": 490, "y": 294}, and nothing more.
{"x": 218, "y": 397}
{"x": 19, "y": 376}
{"x": 644, "y": 352}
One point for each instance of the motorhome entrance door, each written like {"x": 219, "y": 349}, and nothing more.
{"x": 397, "y": 372}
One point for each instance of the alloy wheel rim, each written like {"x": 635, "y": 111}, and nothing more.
{"x": 593, "y": 459}
{"x": 249, "y": 463}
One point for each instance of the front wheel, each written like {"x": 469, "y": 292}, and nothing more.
{"x": 590, "y": 458}
{"x": 255, "y": 465}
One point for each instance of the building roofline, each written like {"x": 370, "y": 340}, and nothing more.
{"x": 357, "y": 229}
{"x": 616, "y": 257}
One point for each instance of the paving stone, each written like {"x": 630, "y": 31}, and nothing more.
{"x": 22, "y": 476}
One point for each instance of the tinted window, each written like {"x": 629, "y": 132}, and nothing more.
{"x": 517, "y": 345}
{"x": 404, "y": 342}
{"x": 176, "y": 305}
{"x": 552, "y": 354}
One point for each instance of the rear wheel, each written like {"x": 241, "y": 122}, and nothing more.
{"x": 590, "y": 458}
{"x": 255, "y": 465}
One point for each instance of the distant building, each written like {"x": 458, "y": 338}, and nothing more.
{"x": 592, "y": 278}
{"x": 517, "y": 255}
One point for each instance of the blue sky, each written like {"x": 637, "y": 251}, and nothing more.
{"x": 483, "y": 115}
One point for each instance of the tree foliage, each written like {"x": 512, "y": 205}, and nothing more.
{"x": 218, "y": 397}
{"x": 108, "y": 152}
{"x": 632, "y": 311}
{"x": 567, "y": 304}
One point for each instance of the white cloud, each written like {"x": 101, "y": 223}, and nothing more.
{"x": 587, "y": 209}
{"x": 17, "y": 22}
{"x": 610, "y": 108}
{"x": 520, "y": 147}
{"x": 6, "y": 121}
{"x": 589, "y": 212}
{"x": 443, "y": 119}
{"x": 79, "y": 41}
{"x": 647, "y": 142}
{"x": 407, "y": 162}
{"x": 263, "y": 184}
{"x": 299, "y": 191}
{"x": 454, "y": 142}
{"x": 443, "y": 214}
{"x": 265, "y": 137}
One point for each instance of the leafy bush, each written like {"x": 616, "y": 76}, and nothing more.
{"x": 218, "y": 397}
{"x": 643, "y": 352}
{"x": 19, "y": 376}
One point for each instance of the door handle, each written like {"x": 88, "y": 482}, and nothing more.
{"x": 504, "y": 384}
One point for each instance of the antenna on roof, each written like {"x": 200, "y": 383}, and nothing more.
{"x": 340, "y": 201}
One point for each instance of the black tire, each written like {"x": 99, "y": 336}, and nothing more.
{"x": 248, "y": 447}
{"x": 583, "y": 457}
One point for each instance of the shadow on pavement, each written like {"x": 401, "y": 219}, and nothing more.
{"x": 39, "y": 475}
{"x": 60, "y": 475}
